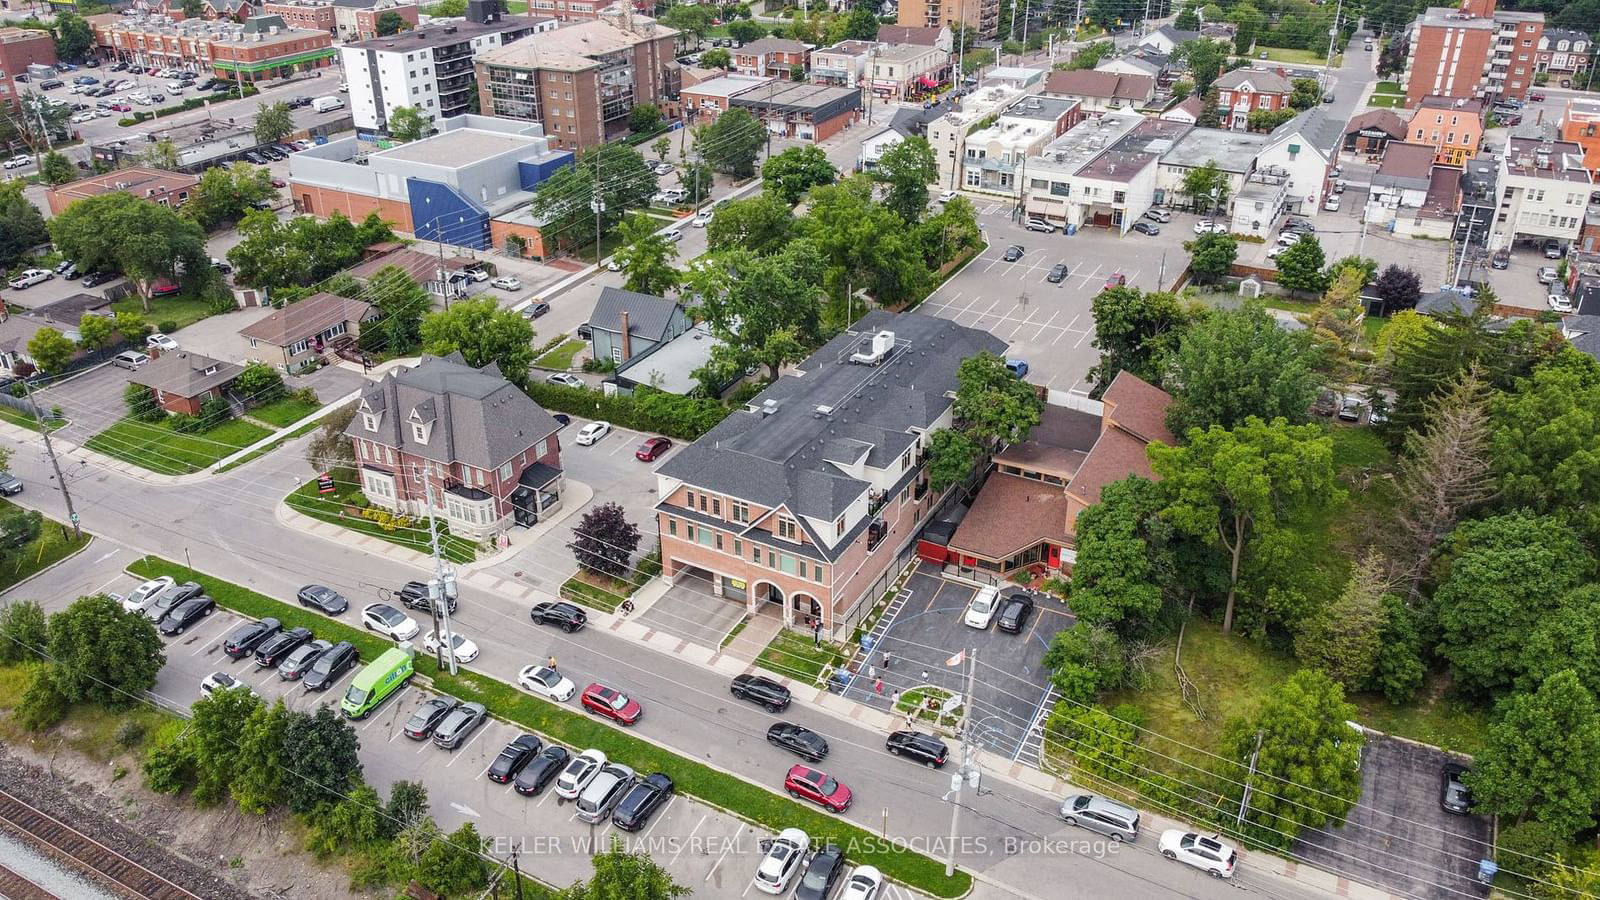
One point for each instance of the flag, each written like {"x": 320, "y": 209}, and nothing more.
{"x": 957, "y": 660}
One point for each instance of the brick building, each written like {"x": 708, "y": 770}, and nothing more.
{"x": 982, "y": 15}
{"x": 1473, "y": 50}
{"x": 315, "y": 16}
{"x": 1580, "y": 124}
{"x": 357, "y": 20}
{"x": 156, "y": 185}
{"x": 569, "y": 10}
{"x": 843, "y": 65}
{"x": 19, "y": 49}
{"x": 1244, "y": 91}
{"x": 184, "y": 380}
{"x": 770, "y": 57}
{"x": 1564, "y": 52}
{"x": 1454, "y": 128}
{"x": 261, "y": 49}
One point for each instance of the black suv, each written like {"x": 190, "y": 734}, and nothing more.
{"x": 246, "y": 638}
{"x": 565, "y": 616}
{"x": 924, "y": 748}
{"x": 762, "y": 691}
{"x": 273, "y": 650}
{"x": 415, "y": 595}
{"x": 330, "y": 665}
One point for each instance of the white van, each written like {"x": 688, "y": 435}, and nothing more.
{"x": 327, "y": 104}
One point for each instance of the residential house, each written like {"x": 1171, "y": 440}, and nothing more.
{"x": 842, "y": 65}
{"x": 626, "y": 325}
{"x": 1453, "y": 127}
{"x": 1562, "y": 51}
{"x": 1544, "y": 191}
{"x": 671, "y": 365}
{"x": 305, "y": 330}
{"x": 473, "y": 442}
{"x": 1187, "y": 111}
{"x": 156, "y": 185}
{"x": 1244, "y": 91}
{"x": 1369, "y": 132}
{"x": 1015, "y": 77}
{"x": 1131, "y": 64}
{"x": 184, "y": 380}
{"x": 770, "y": 57}
{"x": 1167, "y": 38}
{"x": 1101, "y": 92}
{"x": 905, "y": 123}
{"x": 1413, "y": 195}
{"x": 1306, "y": 148}
{"x": 1582, "y": 332}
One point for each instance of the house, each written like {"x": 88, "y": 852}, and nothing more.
{"x": 1166, "y": 39}
{"x": 442, "y": 278}
{"x": 905, "y": 123}
{"x": 303, "y": 331}
{"x": 1244, "y": 91}
{"x": 921, "y": 35}
{"x": 184, "y": 380}
{"x": 704, "y": 102}
{"x": 670, "y": 366}
{"x": 1187, "y": 111}
{"x": 770, "y": 57}
{"x": 1563, "y": 52}
{"x": 1306, "y": 148}
{"x": 1453, "y": 127}
{"x": 805, "y": 498}
{"x": 1436, "y": 303}
{"x": 170, "y": 189}
{"x": 1411, "y": 194}
{"x": 1582, "y": 332}
{"x": 1101, "y": 92}
{"x": 1372, "y": 131}
{"x": 1132, "y": 64}
{"x": 799, "y": 110}
{"x": 842, "y": 65}
{"x": 626, "y": 325}
{"x": 486, "y": 454}
{"x": 994, "y": 156}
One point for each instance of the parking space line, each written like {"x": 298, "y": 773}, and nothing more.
{"x": 985, "y": 313}
{"x": 685, "y": 841}
{"x": 725, "y": 850}
{"x": 459, "y": 753}
{"x": 543, "y": 796}
{"x": 659, "y": 817}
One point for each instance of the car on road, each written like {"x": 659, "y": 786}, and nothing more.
{"x": 798, "y": 739}
{"x": 603, "y": 792}
{"x": 1013, "y": 253}
{"x": 159, "y": 341}
{"x": 460, "y": 723}
{"x": 537, "y": 772}
{"x": 428, "y": 716}
{"x": 611, "y": 703}
{"x": 507, "y": 283}
{"x": 652, "y": 449}
{"x": 1454, "y": 795}
{"x": 10, "y": 485}
{"x": 222, "y": 681}
{"x": 1058, "y": 273}
{"x": 322, "y": 598}
{"x": 163, "y": 602}
{"x": 673, "y": 234}
{"x": 1015, "y": 610}
{"x": 1095, "y": 813}
{"x": 981, "y": 608}
{"x": 565, "y": 379}
{"x": 566, "y": 616}
{"x": 592, "y": 432}
{"x": 1149, "y": 228}
{"x": 781, "y": 860}
{"x": 547, "y": 683}
{"x": 918, "y": 747}
{"x": 817, "y": 786}
{"x": 31, "y": 277}
{"x": 579, "y": 771}
{"x": 946, "y": 196}
{"x": 1158, "y": 215}
{"x": 180, "y": 617}
{"x": 513, "y": 757}
{"x": 1547, "y": 274}
{"x": 300, "y": 660}
{"x": 461, "y": 646}
{"x": 1559, "y": 302}
{"x": 18, "y": 161}
{"x": 389, "y": 622}
{"x": 701, "y": 219}
{"x": 670, "y": 195}
{"x": 414, "y": 595}
{"x": 822, "y": 874}
{"x": 275, "y": 649}
{"x": 1350, "y": 410}
{"x": 1039, "y": 225}
{"x": 865, "y": 883}
{"x": 662, "y": 168}
{"x": 95, "y": 279}
{"x": 1536, "y": 97}
{"x": 247, "y": 637}
{"x": 644, "y": 798}
{"x": 140, "y": 598}
{"x": 533, "y": 311}
{"x": 1205, "y": 853}
{"x": 761, "y": 690}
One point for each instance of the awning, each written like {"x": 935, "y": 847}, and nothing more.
{"x": 927, "y": 82}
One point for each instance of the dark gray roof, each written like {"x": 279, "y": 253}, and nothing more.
{"x": 1583, "y": 332}
{"x": 185, "y": 373}
{"x": 1445, "y": 302}
{"x": 1177, "y": 36}
{"x": 648, "y": 315}
{"x": 1321, "y": 130}
{"x": 792, "y": 456}
{"x": 479, "y": 418}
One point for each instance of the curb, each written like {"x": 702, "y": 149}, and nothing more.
{"x": 86, "y": 545}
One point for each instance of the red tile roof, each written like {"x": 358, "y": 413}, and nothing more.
{"x": 1010, "y": 515}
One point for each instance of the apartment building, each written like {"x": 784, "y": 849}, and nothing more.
{"x": 19, "y": 49}
{"x": 261, "y": 49}
{"x": 1306, "y": 148}
{"x": 904, "y": 71}
{"x": 842, "y": 65}
{"x": 1244, "y": 91}
{"x": 581, "y": 81}
{"x": 429, "y": 68}
{"x": 1454, "y": 128}
{"x": 1473, "y": 50}
{"x": 1580, "y": 124}
{"x": 947, "y": 134}
{"x": 807, "y": 496}
{"x": 981, "y": 15}
{"x": 995, "y": 158}
{"x": 770, "y": 57}
{"x": 1102, "y": 173}
{"x": 1563, "y": 52}
{"x": 1544, "y": 190}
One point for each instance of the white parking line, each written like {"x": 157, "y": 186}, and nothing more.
{"x": 459, "y": 753}
{"x": 985, "y": 313}
{"x": 1038, "y": 335}
{"x": 725, "y": 849}
{"x": 659, "y": 817}
{"x": 543, "y": 796}
{"x": 684, "y": 843}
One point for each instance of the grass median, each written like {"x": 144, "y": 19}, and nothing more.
{"x": 558, "y": 723}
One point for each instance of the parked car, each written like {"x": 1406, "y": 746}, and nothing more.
{"x": 1350, "y": 410}
{"x": 414, "y": 595}
{"x": 1207, "y": 226}
{"x": 806, "y": 783}
{"x": 322, "y": 598}
{"x": 652, "y": 449}
{"x": 247, "y": 637}
{"x": 865, "y": 883}
{"x": 10, "y": 485}
{"x": 1147, "y": 228}
{"x": 222, "y": 681}
{"x": 1116, "y": 280}
{"x": 1017, "y": 367}
{"x": 464, "y": 649}
{"x": 428, "y": 716}
{"x": 1036, "y": 224}
{"x": 1015, "y": 610}
{"x": 603, "y": 792}
{"x": 1156, "y": 214}
{"x": 1552, "y": 250}
{"x": 566, "y": 616}
{"x": 31, "y": 277}
{"x": 537, "y": 772}
{"x": 1454, "y": 795}
{"x": 1058, "y": 273}
{"x": 513, "y": 757}
{"x": 1331, "y": 204}
{"x": 1013, "y": 253}
{"x": 460, "y": 723}
{"x": 547, "y": 683}
{"x": 1501, "y": 259}
{"x": 591, "y": 433}
{"x": 140, "y": 598}
{"x": 129, "y": 359}
{"x": 507, "y": 283}
{"x": 781, "y": 860}
{"x": 1206, "y": 853}
{"x": 275, "y": 649}
{"x": 159, "y": 341}
{"x": 822, "y": 874}
{"x": 1559, "y": 302}
{"x": 1547, "y": 274}
{"x": 922, "y": 748}
{"x": 1116, "y": 821}
{"x": 981, "y": 608}
{"x": 1536, "y": 97}
{"x": 389, "y": 622}
{"x": 565, "y": 379}
{"x": 611, "y": 703}
{"x": 164, "y": 601}
{"x": 798, "y": 739}
{"x": 180, "y": 617}
{"x": 533, "y": 311}
{"x": 644, "y": 799}
{"x": 18, "y": 161}
{"x": 761, "y": 690}
{"x": 300, "y": 660}
{"x": 580, "y": 770}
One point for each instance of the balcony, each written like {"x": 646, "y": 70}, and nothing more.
{"x": 920, "y": 491}
{"x": 876, "y": 501}
{"x": 876, "y": 532}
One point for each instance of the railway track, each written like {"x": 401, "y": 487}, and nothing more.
{"x": 104, "y": 863}
{"x": 16, "y": 887}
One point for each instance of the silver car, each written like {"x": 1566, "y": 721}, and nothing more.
{"x": 1108, "y": 817}
{"x": 603, "y": 792}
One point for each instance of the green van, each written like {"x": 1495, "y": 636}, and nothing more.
{"x": 374, "y": 683}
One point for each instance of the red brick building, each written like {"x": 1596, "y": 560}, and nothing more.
{"x": 302, "y": 14}
{"x": 1244, "y": 91}
{"x": 261, "y": 49}
{"x": 183, "y": 380}
{"x": 19, "y": 49}
{"x": 1473, "y": 50}
{"x": 770, "y": 57}
{"x": 156, "y": 185}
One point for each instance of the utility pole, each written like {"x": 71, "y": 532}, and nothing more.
{"x": 1161, "y": 274}
{"x": 1244, "y": 802}
{"x": 442, "y": 587}
{"x": 50, "y": 451}
{"x": 598, "y": 204}
{"x": 968, "y": 773}
{"x": 1333, "y": 33}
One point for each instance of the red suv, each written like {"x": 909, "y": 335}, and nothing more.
{"x": 1117, "y": 280}
{"x": 806, "y": 783}
{"x": 652, "y": 449}
{"x": 611, "y": 703}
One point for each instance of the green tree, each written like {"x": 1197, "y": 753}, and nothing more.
{"x": 644, "y": 118}
{"x": 1114, "y": 580}
{"x": 908, "y": 167}
{"x": 949, "y": 233}
{"x": 1211, "y": 255}
{"x": 408, "y": 803}
{"x": 26, "y": 635}
{"x": 620, "y": 875}
{"x": 1399, "y": 671}
{"x": 143, "y": 240}
{"x": 1566, "y": 638}
{"x": 1090, "y": 56}
{"x": 390, "y": 22}
{"x": 483, "y": 333}
{"x": 1238, "y": 489}
{"x": 1248, "y": 22}
{"x": 731, "y": 144}
{"x": 1102, "y": 745}
{"x": 1188, "y": 19}
{"x": 130, "y": 325}
{"x": 94, "y": 331}
{"x": 861, "y": 25}
{"x": 74, "y": 37}
{"x": 193, "y": 9}
{"x": 449, "y": 9}
{"x": 1541, "y": 759}
{"x": 452, "y": 867}
{"x": 258, "y": 783}
{"x": 1210, "y": 109}
{"x": 1085, "y": 661}
{"x": 407, "y": 124}
{"x": 865, "y": 245}
{"x": 1344, "y": 637}
{"x": 1237, "y": 363}
{"x": 142, "y": 403}
{"x": 1205, "y": 59}
{"x": 51, "y": 350}
{"x": 1307, "y": 94}
{"x": 226, "y": 193}
{"x": 716, "y": 58}
{"x": 661, "y": 145}
{"x": 1545, "y": 442}
{"x": 219, "y": 721}
{"x": 56, "y": 169}
{"x": 991, "y": 403}
{"x": 646, "y": 256}
{"x": 21, "y": 225}
{"x": 353, "y": 823}
{"x": 1135, "y": 332}
{"x": 37, "y": 122}
{"x": 763, "y": 308}
{"x": 795, "y": 171}
{"x": 1300, "y": 266}
{"x": 951, "y": 458}
{"x": 163, "y": 154}
{"x": 1265, "y": 120}
{"x": 693, "y": 19}
{"x": 1206, "y": 186}
{"x": 277, "y": 254}
{"x": 260, "y": 384}
{"x": 1336, "y": 325}
{"x": 402, "y": 303}
{"x": 565, "y": 199}
{"x": 698, "y": 179}
{"x": 761, "y": 224}
{"x": 323, "y": 758}
{"x": 328, "y": 448}
{"x": 273, "y": 122}
{"x": 745, "y": 31}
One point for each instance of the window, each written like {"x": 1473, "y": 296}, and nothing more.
{"x": 505, "y": 472}
{"x": 1419, "y": 134}
{"x": 616, "y": 352}
{"x": 702, "y": 502}
{"x": 755, "y": 554}
{"x": 738, "y": 547}
{"x": 716, "y": 507}
{"x": 369, "y": 421}
{"x": 741, "y": 511}
{"x": 787, "y": 529}
{"x": 705, "y": 536}
{"x": 838, "y": 527}
{"x": 419, "y": 432}
{"x": 672, "y": 527}
{"x": 816, "y": 573}
{"x": 363, "y": 446}
{"x": 299, "y": 347}
{"x": 690, "y": 497}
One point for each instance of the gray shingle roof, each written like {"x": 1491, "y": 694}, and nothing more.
{"x": 1438, "y": 302}
{"x": 185, "y": 373}
{"x": 648, "y": 315}
{"x": 1583, "y": 332}
{"x": 1261, "y": 82}
{"x": 1321, "y": 130}
{"x": 479, "y": 418}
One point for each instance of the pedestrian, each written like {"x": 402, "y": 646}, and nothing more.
{"x": 894, "y": 699}
{"x": 872, "y": 671}
{"x": 911, "y": 715}
{"x": 886, "y": 660}
{"x": 878, "y": 686}
{"x": 552, "y": 662}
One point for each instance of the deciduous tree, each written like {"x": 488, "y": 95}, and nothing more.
{"x": 389, "y": 22}
{"x": 51, "y": 350}
{"x": 407, "y": 123}
{"x": 226, "y": 193}
{"x": 94, "y": 331}
{"x": 1237, "y": 363}
{"x": 646, "y": 256}
{"x": 865, "y": 244}
{"x": 644, "y": 118}
{"x": 257, "y": 786}
{"x": 908, "y": 167}
{"x": 731, "y": 144}
{"x": 1085, "y": 661}
{"x": 1204, "y": 58}
{"x": 273, "y": 122}
{"x": 621, "y": 875}
{"x": 1206, "y": 186}
{"x": 141, "y": 239}
{"x": 1300, "y": 266}
{"x": 401, "y": 303}
{"x": 219, "y": 721}
{"x": 323, "y": 758}
{"x": 763, "y": 308}
{"x": 1541, "y": 759}
{"x": 483, "y": 333}
{"x": 452, "y": 867}
{"x": 604, "y": 541}
{"x": 328, "y": 448}
{"x": 761, "y": 224}
{"x": 1136, "y": 332}
{"x": 992, "y": 404}
{"x": 21, "y": 225}
{"x": 567, "y": 198}
{"x": 1114, "y": 581}
{"x": 951, "y": 457}
{"x": 1398, "y": 288}
{"x": 1545, "y": 443}
{"x": 74, "y": 37}
{"x": 791, "y": 174}
{"x": 259, "y": 384}
{"x": 24, "y": 636}
{"x": 1211, "y": 255}
{"x": 1306, "y": 94}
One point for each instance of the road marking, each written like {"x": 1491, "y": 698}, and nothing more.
{"x": 985, "y": 313}
{"x": 685, "y": 842}
{"x": 543, "y": 796}
{"x": 465, "y": 810}
{"x": 726, "y": 847}
{"x": 1019, "y": 327}
{"x": 659, "y": 817}
{"x": 1039, "y": 335}
{"x": 459, "y": 753}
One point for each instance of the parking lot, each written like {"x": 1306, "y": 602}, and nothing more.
{"x": 1398, "y": 836}
{"x": 923, "y": 630}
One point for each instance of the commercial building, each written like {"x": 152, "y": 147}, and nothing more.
{"x": 1473, "y": 50}
{"x": 1102, "y": 173}
{"x": 1243, "y": 91}
{"x": 261, "y": 49}
{"x": 1233, "y": 153}
{"x": 807, "y": 112}
{"x": 769, "y": 57}
{"x": 1544, "y": 190}
{"x": 357, "y": 20}
{"x": 994, "y": 158}
{"x": 904, "y": 71}
{"x": 1372, "y": 130}
{"x": 156, "y": 185}
{"x": 1563, "y": 52}
{"x": 569, "y": 10}
{"x": 1101, "y": 92}
{"x": 842, "y": 65}
{"x": 981, "y": 15}
{"x": 947, "y": 134}
{"x": 706, "y": 100}
{"x": 1413, "y": 195}
{"x": 1306, "y": 148}
{"x": 807, "y": 496}
{"x": 1454, "y": 128}
{"x": 19, "y": 49}
{"x": 1580, "y": 124}
{"x": 923, "y": 36}
{"x": 316, "y": 15}
{"x": 428, "y": 68}
{"x": 449, "y": 186}
{"x": 582, "y": 81}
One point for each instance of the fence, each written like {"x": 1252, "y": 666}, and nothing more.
{"x": 25, "y": 406}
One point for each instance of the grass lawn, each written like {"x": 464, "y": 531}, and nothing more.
{"x": 609, "y": 243}
{"x": 20, "y": 418}
{"x": 305, "y": 500}
{"x": 1286, "y": 55}
{"x": 559, "y": 357}
{"x": 1389, "y": 87}
{"x": 597, "y": 591}
{"x": 259, "y": 452}
{"x": 1388, "y": 101}
{"x": 182, "y": 309}
{"x": 160, "y": 449}
{"x": 88, "y": 729}
{"x": 285, "y": 412}
{"x": 792, "y": 654}
{"x": 53, "y": 544}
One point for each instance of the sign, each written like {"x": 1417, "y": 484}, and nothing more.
{"x": 325, "y": 484}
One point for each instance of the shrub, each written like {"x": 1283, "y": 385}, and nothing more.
{"x": 44, "y": 704}
{"x": 166, "y": 326}
{"x": 388, "y": 521}
{"x": 168, "y": 767}
{"x": 142, "y": 404}
{"x": 645, "y": 410}
{"x": 129, "y": 733}
{"x": 214, "y": 412}
{"x": 307, "y": 396}
{"x": 183, "y": 423}
{"x": 1530, "y": 840}
{"x": 23, "y": 622}
{"x": 260, "y": 384}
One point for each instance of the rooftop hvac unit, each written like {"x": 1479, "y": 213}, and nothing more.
{"x": 870, "y": 354}
{"x": 768, "y": 407}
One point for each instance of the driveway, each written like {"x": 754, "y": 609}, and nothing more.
{"x": 90, "y": 401}
{"x": 1398, "y": 836}
{"x": 218, "y": 337}
{"x": 690, "y": 611}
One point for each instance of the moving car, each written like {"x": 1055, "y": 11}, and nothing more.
{"x": 566, "y": 616}
{"x": 247, "y": 637}
{"x": 923, "y": 748}
{"x": 798, "y": 739}
{"x": 580, "y": 770}
{"x": 10, "y": 485}
{"x": 981, "y": 609}
{"x": 611, "y": 703}
{"x": 1147, "y": 228}
{"x": 389, "y": 622}
{"x": 565, "y": 379}
{"x": 461, "y": 721}
{"x": 299, "y": 662}
{"x": 180, "y": 617}
{"x": 701, "y": 219}
{"x": 821, "y": 875}
{"x": 140, "y": 598}
{"x": 537, "y": 772}
{"x": 1013, "y": 253}
{"x": 222, "y": 681}
{"x": 1058, "y": 273}
{"x": 603, "y": 792}
{"x": 31, "y": 277}
{"x": 643, "y": 799}
{"x": 428, "y": 716}
{"x": 376, "y": 682}
{"x": 1039, "y": 225}
{"x": 784, "y": 856}
{"x": 652, "y": 449}
{"x": 274, "y": 649}
{"x": 159, "y": 341}
{"x": 507, "y": 283}
{"x": 461, "y": 646}
{"x": 18, "y": 161}
{"x": 513, "y": 757}
{"x": 547, "y": 683}
{"x": 322, "y": 598}
{"x": 762, "y": 691}
{"x": 1015, "y": 611}
{"x": 1108, "y": 817}
{"x": 592, "y": 432}
{"x": 865, "y": 883}
{"x": 1454, "y": 795}
{"x": 806, "y": 783}
{"x": 1206, "y": 853}
{"x": 533, "y": 311}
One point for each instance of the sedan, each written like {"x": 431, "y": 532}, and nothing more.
{"x": 297, "y": 663}
{"x": 611, "y": 703}
{"x": 1013, "y": 253}
{"x": 821, "y": 875}
{"x": 167, "y": 599}
{"x": 1454, "y": 795}
{"x": 1209, "y": 854}
{"x": 701, "y": 220}
{"x": 222, "y": 681}
{"x": 464, "y": 649}
{"x": 652, "y": 449}
{"x": 247, "y": 637}
{"x": 642, "y": 801}
{"x": 507, "y": 283}
{"x": 95, "y": 279}
{"x": 762, "y": 691}
{"x": 565, "y": 379}
{"x": 1500, "y": 260}
{"x": 806, "y": 783}
{"x": 1559, "y": 302}
{"x": 865, "y": 883}
{"x": 513, "y": 757}
{"x": 10, "y": 485}
{"x": 180, "y": 617}
{"x": 273, "y": 650}
{"x": 537, "y": 772}
{"x": 389, "y": 622}
{"x": 1149, "y": 228}
{"x": 580, "y": 770}
{"x": 946, "y": 196}
{"x": 799, "y": 740}
{"x": 566, "y": 616}
{"x": 535, "y": 310}
{"x": 1015, "y": 611}
{"x": 330, "y": 666}
{"x": 428, "y": 716}
{"x": 458, "y": 724}
{"x": 547, "y": 683}
{"x": 1350, "y": 410}
{"x": 1331, "y": 204}
{"x": 322, "y": 598}
{"x": 591, "y": 433}
{"x": 1058, "y": 273}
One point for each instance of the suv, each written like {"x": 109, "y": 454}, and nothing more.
{"x": 1039, "y": 225}
{"x": 924, "y": 748}
{"x": 1107, "y": 817}
{"x": 1158, "y": 215}
{"x": 1552, "y": 249}
{"x": 604, "y": 792}
{"x": 415, "y": 595}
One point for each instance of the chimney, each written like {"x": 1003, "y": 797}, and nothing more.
{"x": 627, "y": 339}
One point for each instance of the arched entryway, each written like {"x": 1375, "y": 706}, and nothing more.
{"x": 763, "y": 593}
{"x": 804, "y": 608}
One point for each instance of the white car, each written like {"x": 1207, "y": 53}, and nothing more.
{"x": 980, "y": 612}
{"x": 507, "y": 283}
{"x": 673, "y": 234}
{"x": 565, "y": 379}
{"x": 1276, "y": 249}
{"x": 18, "y": 161}
{"x": 222, "y": 681}
{"x": 1209, "y": 854}
{"x": 580, "y": 770}
{"x": 1205, "y": 226}
{"x": 785, "y": 856}
{"x": 592, "y": 432}
{"x": 83, "y": 117}
{"x": 389, "y": 622}
{"x": 479, "y": 275}
{"x": 465, "y": 650}
{"x": 142, "y": 596}
{"x": 702, "y": 219}
{"x": 546, "y": 682}
{"x": 946, "y": 196}
{"x": 864, "y": 884}
{"x": 1559, "y": 302}
{"x": 612, "y": 265}
{"x": 31, "y": 277}
{"x": 159, "y": 341}
{"x": 1331, "y": 204}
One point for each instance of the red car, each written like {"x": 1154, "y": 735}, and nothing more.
{"x": 163, "y": 287}
{"x": 279, "y": 183}
{"x": 652, "y": 449}
{"x": 611, "y": 703}
{"x": 806, "y": 783}
{"x": 121, "y": 107}
{"x": 1536, "y": 97}
{"x": 1117, "y": 280}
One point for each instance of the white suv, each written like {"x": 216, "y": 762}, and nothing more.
{"x": 784, "y": 856}
{"x": 579, "y": 772}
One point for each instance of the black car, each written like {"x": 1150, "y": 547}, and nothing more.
{"x": 566, "y": 616}
{"x": 95, "y": 279}
{"x": 924, "y": 748}
{"x": 1454, "y": 795}
{"x": 296, "y": 663}
{"x": 275, "y": 649}
{"x": 641, "y": 802}
{"x": 821, "y": 875}
{"x": 170, "y": 598}
{"x": 330, "y": 665}
{"x": 540, "y": 770}
{"x": 190, "y": 611}
{"x": 1014, "y": 613}
{"x": 10, "y": 485}
{"x": 298, "y": 102}
{"x": 258, "y": 159}
{"x": 535, "y": 310}
{"x": 428, "y": 716}
{"x": 272, "y": 153}
{"x": 511, "y": 760}
{"x": 1058, "y": 273}
{"x": 798, "y": 739}
{"x": 762, "y": 691}
{"x": 462, "y": 720}
{"x": 563, "y": 418}
{"x": 415, "y": 595}
{"x": 247, "y": 637}
{"x": 1501, "y": 259}
{"x": 326, "y": 599}
{"x": 1013, "y": 253}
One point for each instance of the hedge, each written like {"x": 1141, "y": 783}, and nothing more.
{"x": 761, "y": 805}
{"x": 645, "y": 410}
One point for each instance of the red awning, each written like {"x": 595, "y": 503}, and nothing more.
{"x": 927, "y": 82}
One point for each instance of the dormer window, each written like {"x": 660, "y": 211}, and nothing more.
{"x": 369, "y": 421}
{"x": 419, "y": 432}
{"x": 788, "y": 529}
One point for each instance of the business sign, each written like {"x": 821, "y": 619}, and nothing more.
{"x": 325, "y": 484}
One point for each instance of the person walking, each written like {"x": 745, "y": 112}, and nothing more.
{"x": 886, "y": 660}
{"x": 552, "y": 662}
{"x": 878, "y": 686}
{"x": 872, "y": 672}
